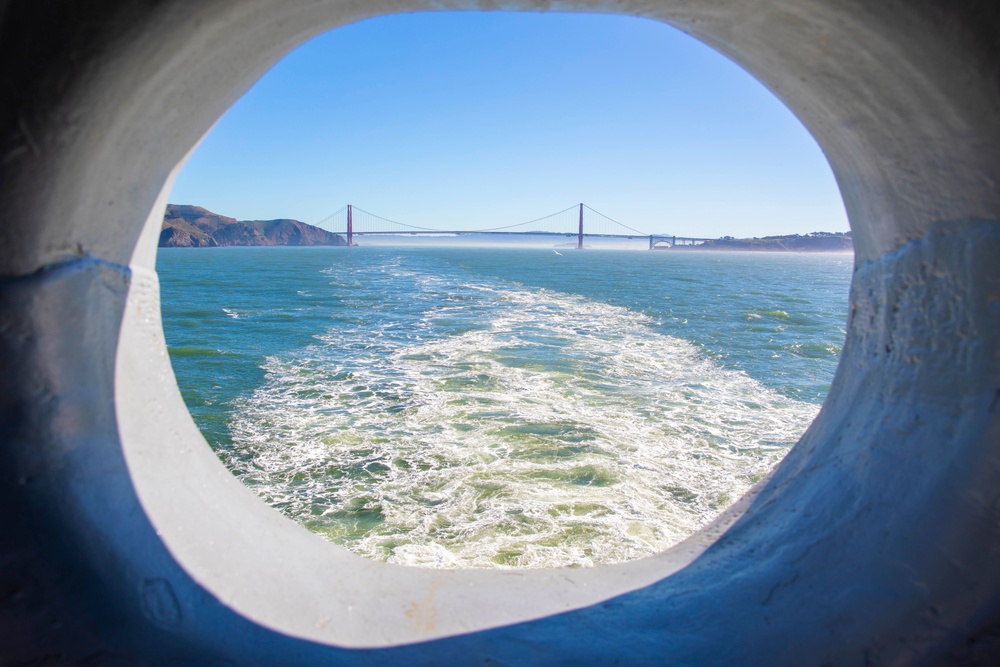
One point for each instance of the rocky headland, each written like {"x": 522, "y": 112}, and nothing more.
{"x": 195, "y": 227}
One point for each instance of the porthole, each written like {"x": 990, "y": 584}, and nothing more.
{"x": 125, "y": 540}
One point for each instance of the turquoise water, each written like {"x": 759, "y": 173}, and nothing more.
{"x": 502, "y": 407}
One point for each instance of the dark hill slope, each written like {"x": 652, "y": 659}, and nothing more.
{"x": 815, "y": 242}
{"x": 195, "y": 227}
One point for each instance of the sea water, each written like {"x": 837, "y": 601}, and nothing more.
{"x": 502, "y": 407}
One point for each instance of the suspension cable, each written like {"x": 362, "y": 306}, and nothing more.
{"x": 631, "y": 229}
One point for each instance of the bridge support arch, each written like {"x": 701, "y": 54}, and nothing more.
{"x": 123, "y": 541}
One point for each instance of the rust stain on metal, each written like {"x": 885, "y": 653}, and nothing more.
{"x": 423, "y": 613}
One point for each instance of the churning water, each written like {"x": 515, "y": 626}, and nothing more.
{"x": 460, "y": 407}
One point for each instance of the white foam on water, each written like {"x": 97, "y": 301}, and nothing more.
{"x": 508, "y": 428}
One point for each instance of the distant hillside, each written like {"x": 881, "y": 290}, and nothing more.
{"x": 194, "y": 227}
{"x": 815, "y": 242}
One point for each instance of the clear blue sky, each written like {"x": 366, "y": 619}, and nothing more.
{"x": 484, "y": 119}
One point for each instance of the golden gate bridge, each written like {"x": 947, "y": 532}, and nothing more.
{"x": 578, "y": 220}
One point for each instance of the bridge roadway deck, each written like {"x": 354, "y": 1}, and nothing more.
{"x": 444, "y": 232}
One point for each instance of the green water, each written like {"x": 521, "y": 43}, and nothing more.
{"x": 502, "y": 407}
